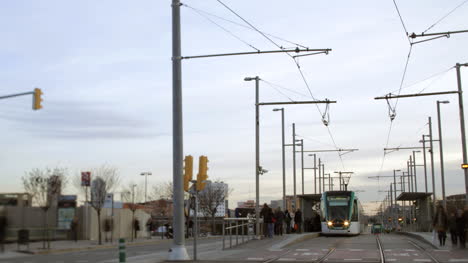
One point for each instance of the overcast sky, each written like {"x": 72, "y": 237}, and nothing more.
{"x": 105, "y": 70}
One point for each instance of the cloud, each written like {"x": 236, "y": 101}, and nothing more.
{"x": 78, "y": 120}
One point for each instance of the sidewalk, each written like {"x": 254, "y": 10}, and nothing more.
{"x": 264, "y": 248}
{"x": 64, "y": 246}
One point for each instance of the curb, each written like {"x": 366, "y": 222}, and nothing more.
{"x": 87, "y": 248}
{"x": 418, "y": 237}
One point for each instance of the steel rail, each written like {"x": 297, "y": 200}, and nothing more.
{"x": 380, "y": 247}
{"x": 423, "y": 251}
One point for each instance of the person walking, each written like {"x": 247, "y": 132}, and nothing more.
{"x": 298, "y": 221}
{"x": 279, "y": 215}
{"x": 3, "y": 226}
{"x": 263, "y": 214}
{"x": 74, "y": 228}
{"x": 440, "y": 223}
{"x": 287, "y": 220}
{"x": 268, "y": 217}
{"x": 461, "y": 225}
{"x": 452, "y": 224}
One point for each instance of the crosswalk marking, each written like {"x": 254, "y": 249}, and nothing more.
{"x": 255, "y": 259}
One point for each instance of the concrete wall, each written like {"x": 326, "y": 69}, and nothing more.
{"x": 88, "y": 229}
{"x": 29, "y": 217}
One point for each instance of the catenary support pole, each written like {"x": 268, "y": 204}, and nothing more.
{"x": 294, "y": 162}
{"x": 431, "y": 152}
{"x": 462, "y": 126}
{"x": 178, "y": 250}
{"x": 442, "y": 176}
{"x": 425, "y": 163}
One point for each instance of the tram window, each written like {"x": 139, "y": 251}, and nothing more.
{"x": 355, "y": 216}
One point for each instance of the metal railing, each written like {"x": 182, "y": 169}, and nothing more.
{"x": 243, "y": 228}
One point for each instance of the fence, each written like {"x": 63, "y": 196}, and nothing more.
{"x": 243, "y": 229}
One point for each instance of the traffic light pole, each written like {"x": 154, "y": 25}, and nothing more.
{"x": 36, "y": 103}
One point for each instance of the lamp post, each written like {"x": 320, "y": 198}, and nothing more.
{"x": 441, "y": 152}
{"x": 257, "y": 152}
{"x": 283, "y": 155}
{"x": 145, "y": 174}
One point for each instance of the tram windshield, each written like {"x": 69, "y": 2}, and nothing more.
{"x": 338, "y": 207}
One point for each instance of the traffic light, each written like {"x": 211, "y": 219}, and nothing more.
{"x": 202, "y": 173}
{"x": 37, "y": 99}
{"x": 188, "y": 171}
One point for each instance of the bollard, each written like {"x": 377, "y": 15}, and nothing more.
{"x": 122, "y": 255}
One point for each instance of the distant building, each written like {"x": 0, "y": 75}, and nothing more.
{"x": 276, "y": 203}
{"x": 15, "y": 199}
{"x": 246, "y": 204}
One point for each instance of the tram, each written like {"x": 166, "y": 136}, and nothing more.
{"x": 341, "y": 213}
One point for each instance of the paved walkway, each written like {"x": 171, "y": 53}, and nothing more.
{"x": 63, "y": 246}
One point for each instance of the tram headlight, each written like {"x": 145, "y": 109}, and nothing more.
{"x": 346, "y": 223}
{"x": 330, "y": 223}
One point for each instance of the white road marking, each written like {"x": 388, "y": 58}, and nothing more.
{"x": 422, "y": 260}
{"x": 411, "y": 250}
{"x": 310, "y": 254}
{"x": 256, "y": 259}
{"x": 352, "y": 259}
{"x": 286, "y": 259}
{"x": 302, "y": 249}
{"x": 458, "y": 260}
{"x": 390, "y": 259}
{"x": 387, "y": 249}
{"x": 356, "y": 249}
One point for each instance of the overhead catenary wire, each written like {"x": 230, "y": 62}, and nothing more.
{"x": 297, "y": 65}
{"x": 439, "y": 75}
{"x": 241, "y": 25}
{"x": 445, "y": 16}
{"x": 284, "y": 88}
{"x": 279, "y": 91}
{"x": 402, "y": 22}
{"x": 223, "y": 28}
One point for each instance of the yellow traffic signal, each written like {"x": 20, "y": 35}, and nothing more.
{"x": 202, "y": 173}
{"x": 37, "y": 99}
{"x": 188, "y": 171}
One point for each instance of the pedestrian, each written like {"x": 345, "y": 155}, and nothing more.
{"x": 263, "y": 214}
{"x": 452, "y": 223}
{"x": 461, "y": 224}
{"x": 190, "y": 228}
{"x": 440, "y": 224}
{"x": 74, "y": 228}
{"x": 149, "y": 226}
{"x": 279, "y": 215}
{"x": 136, "y": 226}
{"x": 3, "y": 226}
{"x": 287, "y": 220}
{"x": 298, "y": 221}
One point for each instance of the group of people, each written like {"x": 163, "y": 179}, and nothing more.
{"x": 275, "y": 219}
{"x": 456, "y": 223}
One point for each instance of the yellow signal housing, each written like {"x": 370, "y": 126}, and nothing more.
{"x": 188, "y": 171}
{"x": 202, "y": 173}
{"x": 37, "y": 100}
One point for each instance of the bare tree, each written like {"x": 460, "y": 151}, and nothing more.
{"x": 45, "y": 187}
{"x": 214, "y": 194}
{"x": 106, "y": 179}
{"x": 162, "y": 191}
{"x": 133, "y": 196}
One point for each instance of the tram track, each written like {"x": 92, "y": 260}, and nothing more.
{"x": 380, "y": 247}
{"x": 422, "y": 250}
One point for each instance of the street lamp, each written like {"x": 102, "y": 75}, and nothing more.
{"x": 441, "y": 151}
{"x": 257, "y": 152}
{"x": 283, "y": 154}
{"x": 145, "y": 174}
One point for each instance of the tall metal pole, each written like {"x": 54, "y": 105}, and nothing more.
{"x": 315, "y": 174}
{"x": 425, "y": 165}
{"x": 441, "y": 154}
{"x": 294, "y": 162}
{"x": 302, "y": 164}
{"x": 323, "y": 177}
{"x": 330, "y": 185}
{"x": 412, "y": 173}
{"x": 410, "y": 180}
{"x": 319, "y": 177}
{"x": 257, "y": 156}
{"x": 432, "y": 163}
{"x": 178, "y": 250}
{"x": 341, "y": 182}
{"x": 283, "y": 156}
{"x": 414, "y": 167}
{"x": 462, "y": 126}
{"x": 392, "y": 211}
{"x": 394, "y": 182}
